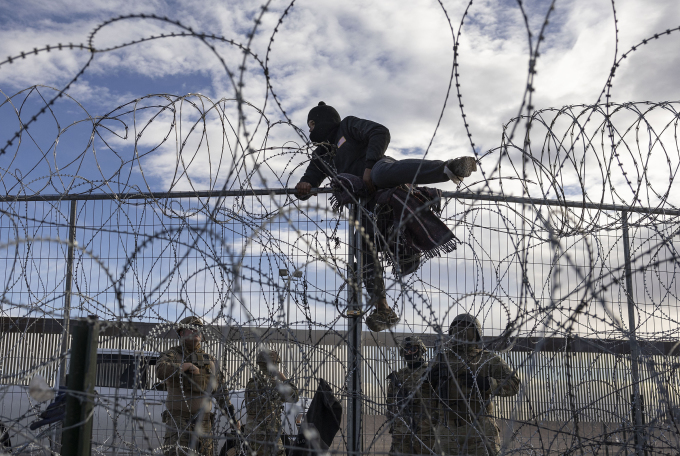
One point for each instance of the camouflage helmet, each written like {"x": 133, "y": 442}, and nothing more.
{"x": 265, "y": 356}
{"x": 467, "y": 320}
{"x": 189, "y": 323}
{"x": 193, "y": 321}
{"x": 412, "y": 341}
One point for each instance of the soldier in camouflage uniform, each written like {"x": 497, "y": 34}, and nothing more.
{"x": 192, "y": 379}
{"x": 265, "y": 394}
{"x": 466, "y": 378}
{"x": 411, "y": 403}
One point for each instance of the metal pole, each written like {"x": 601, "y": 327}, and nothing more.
{"x": 319, "y": 191}
{"x": 76, "y": 435}
{"x": 68, "y": 291}
{"x": 354, "y": 440}
{"x": 61, "y": 380}
{"x": 634, "y": 347}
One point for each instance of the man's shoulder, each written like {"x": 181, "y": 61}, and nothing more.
{"x": 353, "y": 120}
{"x": 492, "y": 357}
{"x": 399, "y": 374}
{"x": 358, "y": 122}
{"x": 204, "y": 354}
{"x": 176, "y": 350}
{"x": 350, "y": 119}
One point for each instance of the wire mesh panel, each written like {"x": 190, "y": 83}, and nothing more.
{"x": 261, "y": 271}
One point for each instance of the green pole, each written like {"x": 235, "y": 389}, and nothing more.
{"x": 76, "y": 435}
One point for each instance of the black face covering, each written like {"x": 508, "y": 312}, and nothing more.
{"x": 414, "y": 360}
{"x": 414, "y": 364}
{"x": 326, "y": 122}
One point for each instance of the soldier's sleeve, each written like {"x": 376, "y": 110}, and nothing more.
{"x": 251, "y": 391}
{"x": 391, "y": 399}
{"x": 289, "y": 392}
{"x": 251, "y": 396}
{"x": 505, "y": 381}
{"x": 167, "y": 365}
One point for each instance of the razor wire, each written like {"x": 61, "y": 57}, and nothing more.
{"x": 270, "y": 270}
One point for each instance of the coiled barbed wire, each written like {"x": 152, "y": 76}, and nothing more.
{"x": 553, "y": 272}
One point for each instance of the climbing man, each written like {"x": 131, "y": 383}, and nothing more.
{"x": 356, "y": 147}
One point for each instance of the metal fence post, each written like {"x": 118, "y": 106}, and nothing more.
{"x": 68, "y": 290}
{"x": 634, "y": 347}
{"x": 354, "y": 390}
{"x": 76, "y": 436}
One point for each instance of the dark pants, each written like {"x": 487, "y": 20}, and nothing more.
{"x": 372, "y": 275}
{"x": 388, "y": 172}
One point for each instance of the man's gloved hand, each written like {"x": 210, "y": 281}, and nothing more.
{"x": 190, "y": 368}
{"x": 469, "y": 380}
{"x": 303, "y": 190}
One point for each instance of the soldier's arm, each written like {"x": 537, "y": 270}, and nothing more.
{"x": 167, "y": 365}
{"x": 251, "y": 391}
{"x": 286, "y": 388}
{"x": 289, "y": 392}
{"x": 391, "y": 399}
{"x": 504, "y": 380}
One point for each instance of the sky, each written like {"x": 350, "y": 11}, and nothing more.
{"x": 133, "y": 117}
{"x": 367, "y": 59}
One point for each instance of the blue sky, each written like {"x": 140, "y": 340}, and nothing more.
{"x": 372, "y": 60}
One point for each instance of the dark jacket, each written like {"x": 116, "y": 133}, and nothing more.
{"x": 357, "y": 145}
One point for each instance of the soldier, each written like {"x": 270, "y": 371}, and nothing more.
{"x": 192, "y": 380}
{"x": 265, "y": 394}
{"x": 411, "y": 403}
{"x": 467, "y": 377}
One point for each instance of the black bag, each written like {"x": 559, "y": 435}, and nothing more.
{"x": 322, "y": 423}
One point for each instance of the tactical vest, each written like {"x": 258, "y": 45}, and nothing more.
{"x": 263, "y": 403}
{"x": 196, "y": 384}
{"x": 458, "y": 407}
{"x": 414, "y": 400}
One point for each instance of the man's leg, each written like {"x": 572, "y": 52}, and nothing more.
{"x": 372, "y": 274}
{"x": 388, "y": 172}
{"x": 383, "y": 317}
{"x": 206, "y": 443}
{"x": 176, "y": 441}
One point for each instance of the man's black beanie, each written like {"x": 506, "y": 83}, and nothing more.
{"x": 326, "y": 120}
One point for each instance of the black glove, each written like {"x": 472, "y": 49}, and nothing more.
{"x": 469, "y": 380}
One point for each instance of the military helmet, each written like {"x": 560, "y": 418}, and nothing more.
{"x": 265, "y": 356}
{"x": 410, "y": 342}
{"x": 467, "y": 320}
{"x": 194, "y": 321}
{"x": 190, "y": 322}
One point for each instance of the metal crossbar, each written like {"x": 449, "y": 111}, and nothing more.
{"x": 319, "y": 191}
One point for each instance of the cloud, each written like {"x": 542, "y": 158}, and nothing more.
{"x": 392, "y": 65}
